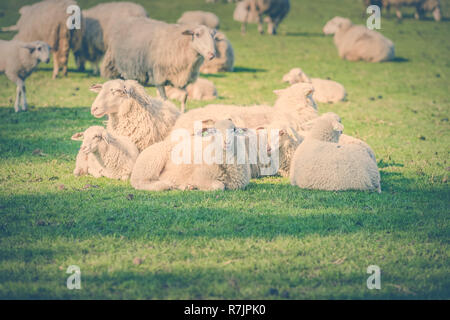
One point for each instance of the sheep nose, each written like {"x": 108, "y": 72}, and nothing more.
{"x": 211, "y": 55}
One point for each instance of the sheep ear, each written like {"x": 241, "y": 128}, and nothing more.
{"x": 78, "y": 136}
{"x": 187, "y": 32}
{"x": 30, "y": 47}
{"x": 96, "y": 87}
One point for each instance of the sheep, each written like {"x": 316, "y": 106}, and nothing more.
{"x": 113, "y": 155}
{"x": 99, "y": 21}
{"x": 158, "y": 53}
{"x": 242, "y": 10}
{"x": 208, "y": 19}
{"x": 157, "y": 167}
{"x": 202, "y": 89}
{"x": 326, "y": 91}
{"x": 18, "y": 60}
{"x": 46, "y": 21}
{"x": 224, "y": 60}
{"x": 356, "y": 42}
{"x": 15, "y": 27}
{"x": 293, "y": 107}
{"x": 132, "y": 112}
{"x": 421, "y": 6}
{"x": 320, "y": 163}
{"x": 276, "y": 11}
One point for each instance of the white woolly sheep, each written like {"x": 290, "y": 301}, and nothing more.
{"x": 202, "y": 89}
{"x": 242, "y": 10}
{"x": 18, "y": 60}
{"x": 99, "y": 21}
{"x": 46, "y": 21}
{"x": 326, "y": 91}
{"x": 422, "y": 6}
{"x": 158, "y": 53}
{"x": 224, "y": 60}
{"x": 319, "y": 163}
{"x": 356, "y": 42}
{"x": 113, "y": 156}
{"x": 156, "y": 168}
{"x": 133, "y": 113}
{"x": 275, "y": 10}
{"x": 208, "y": 19}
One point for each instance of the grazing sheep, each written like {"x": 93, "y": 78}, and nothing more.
{"x": 133, "y": 113}
{"x": 224, "y": 60}
{"x": 202, "y": 89}
{"x": 99, "y": 21}
{"x": 158, "y": 53}
{"x": 208, "y": 19}
{"x": 326, "y": 91}
{"x": 293, "y": 107}
{"x": 356, "y": 42}
{"x": 18, "y": 60}
{"x": 275, "y": 10}
{"x": 242, "y": 11}
{"x": 46, "y": 21}
{"x": 320, "y": 163}
{"x": 421, "y": 6}
{"x": 112, "y": 156}
{"x": 156, "y": 168}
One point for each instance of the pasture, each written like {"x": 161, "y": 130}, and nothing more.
{"x": 269, "y": 241}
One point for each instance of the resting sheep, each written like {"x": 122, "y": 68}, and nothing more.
{"x": 321, "y": 163}
{"x": 18, "y": 60}
{"x": 326, "y": 91}
{"x": 356, "y": 42}
{"x": 202, "y": 89}
{"x": 158, "y": 169}
{"x": 46, "y": 21}
{"x": 208, "y": 19}
{"x": 158, "y": 53}
{"x": 421, "y": 6}
{"x": 105, "y": 154}
{"x": 133, "y": 113}
{"x": 275, "y": 10}
{"x": 99, "y": 21}
{"x": 224, "y": 60}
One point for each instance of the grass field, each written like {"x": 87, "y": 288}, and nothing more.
{"x": 269, "y": 241}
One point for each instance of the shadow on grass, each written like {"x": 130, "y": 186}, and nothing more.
{"x": 304, "y": 34}
{"x": 252, "y": 70}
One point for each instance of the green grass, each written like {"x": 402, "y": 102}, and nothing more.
{"x": 270, "y": 241}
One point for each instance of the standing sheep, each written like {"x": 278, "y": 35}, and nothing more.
{"x": 421, "y": 6}
{"x": 224, "y": 60}
{"x": 320, "y": 163}
{"x": 275, "y": 10}
{"x": 158, "y": 53}
{"x": 208, "y": 19}
{"x": 46, "y": 21}
{"x": 202, "y": 89}
{"x": 356, "y": 42}
{"x": 111, "y": 156}
{"x": 241, "y": 12}
{"x": 326, "y": 91}
{"x": 18, "y": 60}
{"x": 133, "y": 113}
{"x": 157, "y": 169}
{"x": 99, "y": 21}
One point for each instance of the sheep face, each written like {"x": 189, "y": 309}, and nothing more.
{"x": 40, "y": 50}
{"x": 299, "y": 93}
{"x": 296, "y": 75}
{"x": 335, "y": 24}
{"x": 112, "y": 96}
{"x": 327, "y": 129}
{"x": 202, "y": 41}
{"x": 94, "y": 139}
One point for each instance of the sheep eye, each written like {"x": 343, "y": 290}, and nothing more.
{"x": 197, "y": 34}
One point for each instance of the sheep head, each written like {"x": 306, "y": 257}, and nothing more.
{"x": 299, "y": 94}
{"x": 336, "y": 24}
{"x": 94, "y": 139}
{"x": 39, "y": 50}
{"x": 202, "y": 40}
{"x": 296, "y": 75}
{"x": 111, "y": 98}
{"x": 326, "y": 128}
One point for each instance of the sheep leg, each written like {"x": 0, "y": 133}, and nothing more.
{"x": 95, "y": 68}
{"x": 18, "y": 95}
{"x": 162, "y": 92}
{"x": 398, "y": 13}
{"x": 24, "y": 98}
{"x": 55, "y": 65}
{"x": 244, "y": 23}
{"x": 183, "y": 101}
{"x": 260, "y": 24}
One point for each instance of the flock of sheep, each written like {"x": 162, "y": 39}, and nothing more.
{"x": 138, "y": 141}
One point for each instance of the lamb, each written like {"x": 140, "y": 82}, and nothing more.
{"x": 202, "y": 89}
{"x": 133, "y": 113}
{"x": 158, "y": 53}
{"x": 320, "y": 163}
{"x": 46, "y": 21}
{"x": 275, "y": 10}
{"x": 157, "y": 167}
{"x": 224, "y": 60}
{"x": 356, "y": 42}
{"x": 208, "y": 19}
{"x": 99, "y": 21}
{"x": 421, "y": 6}
{"x": 113, "y": 156}
{"x": 326, "y": 91}
{"x": 18, "y": 60}
{"x": 293, "y": 108}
